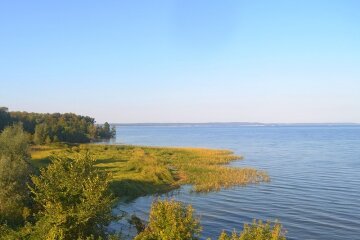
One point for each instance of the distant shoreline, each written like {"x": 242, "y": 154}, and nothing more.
{"x": 249, "y": 124}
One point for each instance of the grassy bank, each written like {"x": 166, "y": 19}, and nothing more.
{"x": 138, "y": 171}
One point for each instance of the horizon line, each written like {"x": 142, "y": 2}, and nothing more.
{"x": 242, "y": 123}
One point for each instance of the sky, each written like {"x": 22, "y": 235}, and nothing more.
{"x": 183, "y": 61}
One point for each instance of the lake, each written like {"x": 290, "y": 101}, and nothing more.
{"x": 314, "y": 169}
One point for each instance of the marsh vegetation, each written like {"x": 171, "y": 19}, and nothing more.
{"x": 138, "y": 171}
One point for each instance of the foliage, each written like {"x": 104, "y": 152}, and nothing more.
{"x": 14, "y": 175}
{"x": 22, "y": 232}
{"x": 171, "y": 220}
{"x": 41, "y": 132}
{"x": 7, "y": 233}
{"x": 139, "y": 171}
{"x": 105, "y": 132}
{"x": 5, "y": 119}
{"x": 56, "y": 127}
{"x": 27, "y": 233}
{"x": 257, "y": 231}
{"x": 73, "y": 198}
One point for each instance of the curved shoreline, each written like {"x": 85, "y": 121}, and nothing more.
{"x": 141, "y": 170}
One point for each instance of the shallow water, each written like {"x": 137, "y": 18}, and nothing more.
{"x": 315, "y": 177}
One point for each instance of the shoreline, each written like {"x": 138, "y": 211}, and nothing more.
{"x": 142, "y": 170}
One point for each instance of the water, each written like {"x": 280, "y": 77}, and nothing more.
{"x": 315, "y": 177}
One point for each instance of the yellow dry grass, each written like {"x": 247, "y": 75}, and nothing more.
{"x": 138, "y": 170}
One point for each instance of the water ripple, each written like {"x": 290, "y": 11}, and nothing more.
{"x": 315, "y": 172}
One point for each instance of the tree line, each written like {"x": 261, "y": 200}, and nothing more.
{"x": 57, "y": 127}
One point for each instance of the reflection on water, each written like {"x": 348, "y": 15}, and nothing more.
{"x": 315, "y": 177}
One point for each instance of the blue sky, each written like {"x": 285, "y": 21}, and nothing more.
{"x": 183, "y": 61}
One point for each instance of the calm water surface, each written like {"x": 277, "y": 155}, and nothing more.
{"x": 315, "y": 177}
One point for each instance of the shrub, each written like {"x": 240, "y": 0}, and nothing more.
{"x": 257, "y": 231}
{"x": 74, "y": 200}
{"x": 171, "y": 220}
{"x": 14, "y": 175}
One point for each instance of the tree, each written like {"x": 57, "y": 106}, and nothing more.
{"x": 14, "y": 175}
{"x": 67, "y": 127}
{"x": 106, "y": 131}
{"x": 40, "y": 134}
{"x": 5, "y": 119}
{"x": 106, "y": 127}
{"x": 113, "y": 132}
{"x": 171, "y": 220}
{"x": 73, "y": 198}
{"x": 48, "y": 139}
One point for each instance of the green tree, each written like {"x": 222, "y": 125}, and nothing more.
{"x": 74, "y": 199}
{"x": 56, "y": 139}
{"x": 257, "y": 231}
{"x": 40, "y": 134}
{"x": 113, "y": 132}
{"x": 171, "y": 220}
{"x": 5, "y": 119}
{"x": 105, "y": 131}
{"x": 14, "y": 175}
{"x": 106, "y": 127}
{"x": 48, "y": 139}
{"x": 67, "y": 127}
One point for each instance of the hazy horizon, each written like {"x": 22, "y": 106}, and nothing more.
{"x": 240, "y": 123}
{"x": 183, "y": 61}
{"x": 205, "y": 122}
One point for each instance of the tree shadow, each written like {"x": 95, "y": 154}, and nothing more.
{"x": 41, "y": 162}
{"x": 128, "y": 190}
{"x": 109, "y": 160}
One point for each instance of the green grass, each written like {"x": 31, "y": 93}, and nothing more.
{"x": 138, "y": 170}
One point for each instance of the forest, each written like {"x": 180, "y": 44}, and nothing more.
{"x": 57, "y": 127}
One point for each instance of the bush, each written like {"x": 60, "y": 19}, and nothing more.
{"x": 257, "y": 231}
{"x": 171, "y": 220}
{"x": 14, "y": 175}
{"x": 73, "y": 198}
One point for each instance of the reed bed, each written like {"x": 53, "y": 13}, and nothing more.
{"x": 138, "y": 170}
